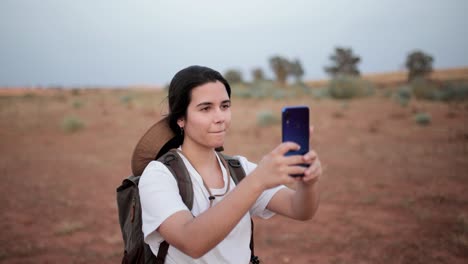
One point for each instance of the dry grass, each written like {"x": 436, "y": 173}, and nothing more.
{"x": 68, "y": 227}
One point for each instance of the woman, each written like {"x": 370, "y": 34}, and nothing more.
{"x": 218, "y": 230}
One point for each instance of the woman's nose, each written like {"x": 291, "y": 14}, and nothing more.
{"x": 219, "y": 116}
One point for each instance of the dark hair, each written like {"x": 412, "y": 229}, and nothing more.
{"x": 180, "y": 90}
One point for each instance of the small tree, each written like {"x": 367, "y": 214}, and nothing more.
{"x": 281, "y": 68}
{"x": 419, "y": 64}
{"x": 344, "y": 63}
{"x": 233, "y": 76}
{"x": 296, "y": 70}
{"x": 258, "y": 74}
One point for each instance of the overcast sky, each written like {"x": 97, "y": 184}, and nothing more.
{"x": 117, "y": 42}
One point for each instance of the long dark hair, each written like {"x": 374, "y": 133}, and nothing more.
{"x": 180, "y": 91}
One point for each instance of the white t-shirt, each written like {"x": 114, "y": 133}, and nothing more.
{"x": 160, "y": 199}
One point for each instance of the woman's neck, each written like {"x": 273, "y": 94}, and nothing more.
{"x": 199, "y": 156}
{"x": 205, "y": 162}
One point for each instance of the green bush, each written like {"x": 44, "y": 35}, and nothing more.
{"x": 266, "y": 118}
{"x": 72, "y": 124}
{"x": 403, "y": 95}
{"x": 320, "y": 93}
{"x": 422, "y": 119}
{"x": 75, "y": 91}
{"x": 452, "y": 91}
{"x": 242, "y": 93}
{"x": 347, "y": 87}
{"x": 77, "y": 104}
{"x": 279, "y": 94}
{"x": 423, "y": 89}
{"x": 448, "y": 91}
{"x": 126, "y": 99}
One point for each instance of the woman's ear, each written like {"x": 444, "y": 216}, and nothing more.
{"x": 181, "y": 122}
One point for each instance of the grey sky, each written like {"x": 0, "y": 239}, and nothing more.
{"x": 116, "y": 42}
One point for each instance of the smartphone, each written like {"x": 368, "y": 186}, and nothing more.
{"x": 295, "y": 128}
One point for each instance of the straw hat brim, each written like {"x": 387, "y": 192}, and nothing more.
{"x": 149, "y": 146}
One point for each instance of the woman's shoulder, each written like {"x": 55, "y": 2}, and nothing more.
{"x": 155, "y": 171}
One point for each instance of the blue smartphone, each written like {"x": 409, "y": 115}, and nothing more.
{"x": 295, "y": 128}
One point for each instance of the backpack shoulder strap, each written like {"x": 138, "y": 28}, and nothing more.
{"x": 235, "y": 167}
{"x": 176, "y": 166}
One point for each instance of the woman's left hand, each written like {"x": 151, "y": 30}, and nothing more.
{"x": 313, "y": 173}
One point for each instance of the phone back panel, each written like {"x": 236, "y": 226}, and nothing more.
{"x": 295, "y": 127}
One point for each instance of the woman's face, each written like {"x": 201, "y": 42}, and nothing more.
{"x": 208, "y": 116}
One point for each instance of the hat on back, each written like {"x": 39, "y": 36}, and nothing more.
{"x": 155, "y": 142}
{"x": 158, "y": 140}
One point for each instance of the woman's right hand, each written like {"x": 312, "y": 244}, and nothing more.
{"x": 274, "y": 168}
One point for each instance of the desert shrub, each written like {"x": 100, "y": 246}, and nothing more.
{"x": 423, "y": 89}
{"x": 320, "y": 93}
{"x": 403, "y": 95}
{"x": 29, "y": 95}
{"x": 347, "y": 87}
{"x": 75, "y": 91}
{"x": 240, "y": 90}
{"x": 242, "y": 93}
{"x": 252, "y": 92}
{"x": 77, "y": 104}
{"x": 422, "y": 118}
{"x": 452, "y": 91}
{"x": 448, "y": 91}
{"x": 72, "y": 124}
{"x": 68, "y": 228}
{"x": 126, "y": 99}
{"x": 263, "y": 89}
{"x": 299, "y": 88}
{"x": 386, "y": 93}
{"x": 258, "y": 93}
{"x": 266, "y": 118}
{"x": 279, "y": 94}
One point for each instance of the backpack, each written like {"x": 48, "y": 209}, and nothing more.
{"x": 128, "y": 203}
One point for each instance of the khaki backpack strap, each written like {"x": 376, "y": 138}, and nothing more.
{"x": 235, "y": 168}
{"x": 176, "y": 166}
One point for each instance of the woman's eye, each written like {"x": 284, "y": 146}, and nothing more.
{"x": 204, "y": 109}
{"x": 226, "y": 106}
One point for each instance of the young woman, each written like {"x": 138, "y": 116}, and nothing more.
{"x": 218, "y": 231}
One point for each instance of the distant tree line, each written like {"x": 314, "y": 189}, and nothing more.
{"x": 343, "y": 63}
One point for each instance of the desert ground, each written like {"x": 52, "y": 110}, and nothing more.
{"x": 393, "y": 190}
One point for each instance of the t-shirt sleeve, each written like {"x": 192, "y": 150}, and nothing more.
{"x": 259, "y": 208}
{"x": 159, "y": 198}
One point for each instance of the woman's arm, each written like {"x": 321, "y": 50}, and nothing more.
{"x": 301, "y": 203}
{"x": 195, "y": 236}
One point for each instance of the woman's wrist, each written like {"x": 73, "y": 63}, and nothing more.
{"x": 254, "y": 183}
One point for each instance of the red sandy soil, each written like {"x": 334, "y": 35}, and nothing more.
{"x": 393, "y": 191}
